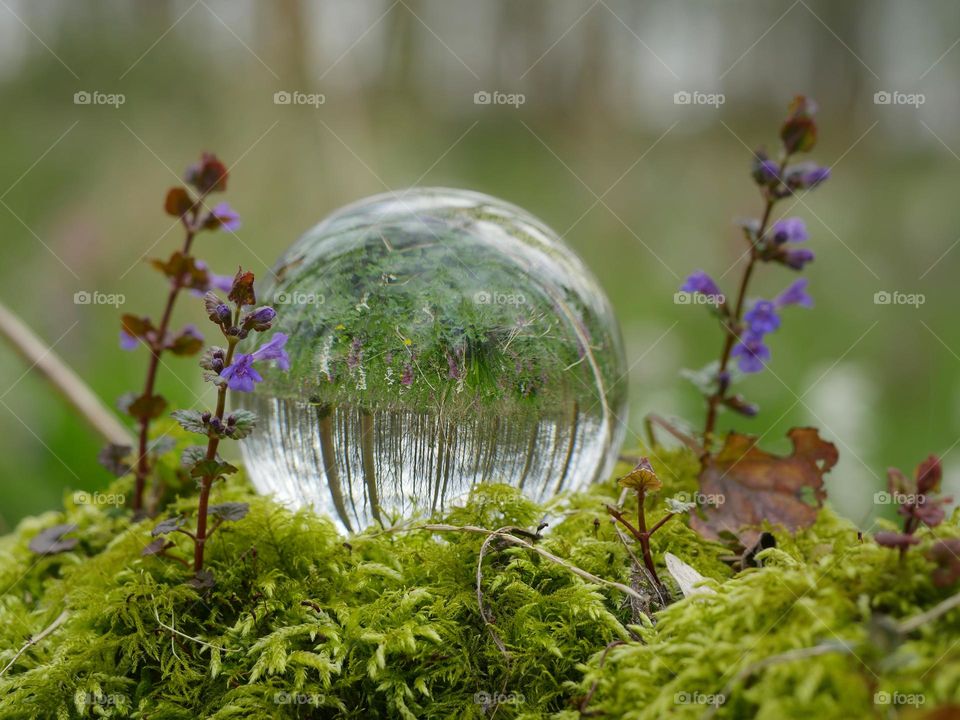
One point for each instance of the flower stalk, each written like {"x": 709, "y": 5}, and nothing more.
{"x": 744, "y": 329}
{"x": 184, "y": 272}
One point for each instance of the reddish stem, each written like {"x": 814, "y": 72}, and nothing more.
{"x": 142, "y": 470}
{"x": 731, "y": 324}
{"x": 206, "y": 482}
{"x": 641, "y": 534}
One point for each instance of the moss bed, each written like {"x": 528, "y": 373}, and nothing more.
{"x": 305, "y": 623}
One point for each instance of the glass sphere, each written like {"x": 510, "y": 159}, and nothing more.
{"x": 437, "y": 338}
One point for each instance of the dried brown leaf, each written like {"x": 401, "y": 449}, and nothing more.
{"x": 758, "y": 486}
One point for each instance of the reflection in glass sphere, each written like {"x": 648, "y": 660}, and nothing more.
{"x": 438, "y": 338}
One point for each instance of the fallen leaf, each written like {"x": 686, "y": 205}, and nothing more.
{"x": 758, "y": 486}
{"x": 687, "y": 578}
{"x": 52, "y": 540}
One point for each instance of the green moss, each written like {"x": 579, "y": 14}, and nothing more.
{"x": 304, "y": 623}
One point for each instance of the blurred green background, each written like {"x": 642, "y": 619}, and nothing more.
{"x": 645, "y": 189}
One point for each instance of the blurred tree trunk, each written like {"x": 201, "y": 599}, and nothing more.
{"x": 283, "y": 37}
{"x": 397, "y": 77}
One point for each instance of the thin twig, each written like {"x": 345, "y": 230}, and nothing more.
{"x": 941, "y": 608}
{"x": 487, "y": 619}
{"x": 652, "y": 419}
{"x": 638, "y": 565}
{"x": 34, "y": 640}
{"x": 580, "y": 572}
{"x": 169, "y": 628}
{"x": 65, "y": 381}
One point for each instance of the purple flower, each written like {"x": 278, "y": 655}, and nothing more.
{"x": 223, "y": 283}
{"x": 762, "y": 318}
{"x": 796, "y": 259}
{"x": 241, "y": 376}
{"x": 259, "y": 319}
{"x": 789, "y": 230}
{"x": 226, "y": 217}
{"x": 806, "y": 176}
{"x": 765, "y": 171}
{"x": 700, "y": 282}
{"x": 356, "y": 353}
{"x": 128, "y": 341}
{"x": 816, "y": 176}
{"x": 407, "y": 377}
{"x": 273, "y": 350}
{"x": 221, "y": 314}
{"x": 752, "y": 353}
{"x": 796, "y": 294}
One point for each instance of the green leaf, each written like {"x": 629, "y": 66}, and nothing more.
{"x": 203, "y": 580}
{"x": 192, "y": 455}
{"x": 190, "y": 420}
{"x": 147, "y": 407}
{"x": 230, "y": 511}
{"x": 678, "y": 506}
{"x": 212, "y": 468}
{"x": 243, "y": 423}
{"x": 138, "y": 327}
{"x": 116, "y": 458}
{"x": 168, "y": 526}
{"x": 156, "y": 547}
{"x": 187, "y": 342}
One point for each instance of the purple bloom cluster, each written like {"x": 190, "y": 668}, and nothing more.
{"x": 776, "y": 245}
{"x": 762, "y": 319}
{"x": 241, "y": 376}
{"x": 789, "y": 230}
{"x": 745, "y": 324}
